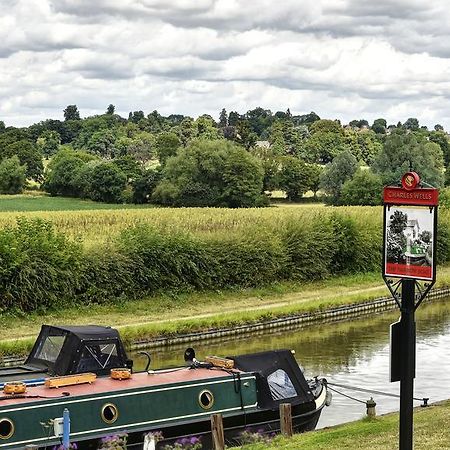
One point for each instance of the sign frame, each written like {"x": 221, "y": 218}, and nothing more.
{"x": 410, "y": 195}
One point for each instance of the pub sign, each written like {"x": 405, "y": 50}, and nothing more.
{"x": 410, "y": 222}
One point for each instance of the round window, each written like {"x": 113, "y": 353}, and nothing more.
{"x": 110, "y": 413}
{"x": 6, "y": 428}
{"x": 206, "y": 399}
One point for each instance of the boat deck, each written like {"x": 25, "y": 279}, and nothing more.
{"x": 107, "y": 384}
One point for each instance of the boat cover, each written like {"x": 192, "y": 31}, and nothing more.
{"x": 64, "y": 350}
{"x": 279, "y": 377}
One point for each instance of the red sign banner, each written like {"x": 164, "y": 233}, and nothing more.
{"x": 393, "y": 195}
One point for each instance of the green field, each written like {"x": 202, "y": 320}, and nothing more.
{"x": 33, "y": 202}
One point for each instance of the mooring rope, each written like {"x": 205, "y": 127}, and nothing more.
{"x": 346, "y": 395}
{"x": 373, "y": 391}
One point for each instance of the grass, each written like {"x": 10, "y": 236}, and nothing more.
{"x": 170, "y": 315}
{"x": 431, "y": 431}
{"x": 36, "y": 201}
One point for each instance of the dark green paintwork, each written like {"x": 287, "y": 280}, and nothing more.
{"x": 139, "y": 409}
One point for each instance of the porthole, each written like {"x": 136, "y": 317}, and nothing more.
{"x": 6, "y": 428}
{"x": 110, "y": 413}
{"x": 206, "y": 399}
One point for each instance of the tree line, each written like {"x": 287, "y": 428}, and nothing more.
{"x": 235, "y": 161}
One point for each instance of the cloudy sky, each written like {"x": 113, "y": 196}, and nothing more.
{"x": 343, "y": 59}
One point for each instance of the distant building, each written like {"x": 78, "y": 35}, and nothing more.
{"x": 263, "y": 144}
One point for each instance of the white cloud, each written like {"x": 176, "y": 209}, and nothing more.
{"x": 341, "y": 58}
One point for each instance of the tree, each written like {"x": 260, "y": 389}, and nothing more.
{"x": 223, "y": 118}
{"x": 129, "y": 166}
{"x": 315, "y": 172}
{"x": 379, "y": 126}
{"x": 438, "y": 127}
{"x": 233, "y": 118}
{"x": 210, "y": 173}
{"x": 61, "y": 177}
{"x": 12, "y": 176}
{"x": 2, "y": 126}
{"x": 167, "y": 144}
{"x": 107, "y": 183}
{"x": 136, "y": 116}
{"x": 295, "y": 177}
{"x": 363, "y": 189}
{"x": 402, "y": 151}
{"x": 305, "y": 119}
{"x": 142, "y": 147}
{"x": 242, "y": 179}
{"x": 102, "y": 143}
{"x": 359, "y": 123}
{"x": 440, "y": 138}
{"x": 205, "y": 128}
{"x": 336, "y": 174}
{"x": 323, "y": 145}
{"x": 244, "y": 134}
{"x": 71, "y": 113}
{"x": 29, "y": 155}
{"x": 398, "y": 222}
{"x": 325, "y": 126}
{"x": 411, "y": 124}
{"x": 110, "y": 110}
{"x": 144, "y": 185}
{"x": 48, "y": 143}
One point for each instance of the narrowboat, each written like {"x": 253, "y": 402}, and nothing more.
{"x": 86, "y": 371}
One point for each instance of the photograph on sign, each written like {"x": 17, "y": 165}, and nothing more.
{"x": 409, "y": 242}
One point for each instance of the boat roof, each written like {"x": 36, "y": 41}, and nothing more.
{"x": 103, "y": 385}
{"x": 84, "y": 332}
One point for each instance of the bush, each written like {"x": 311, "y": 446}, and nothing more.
{"x": 39, "y": 268}
{"x": 365, "y": 188}
{"x": 107, "y": 183}
{"x": 12, "y": 176}
{"x": 211, "y": 173}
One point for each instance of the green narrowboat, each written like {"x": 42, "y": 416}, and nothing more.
{"x": 86, "y": 371}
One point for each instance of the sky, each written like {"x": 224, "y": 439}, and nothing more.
{"x": 343, "y": 59}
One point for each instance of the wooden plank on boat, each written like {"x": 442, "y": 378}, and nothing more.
{"x": 69, "y": 380}
{"x": 217, "y": 361}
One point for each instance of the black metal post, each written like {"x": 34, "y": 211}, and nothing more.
{"x": 409, "y": 358}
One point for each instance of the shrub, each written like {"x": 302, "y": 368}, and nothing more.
{"x": 38, "y": 267}
{"x": 107, "y": 183}
{"x": 210, "y": 173}
{"x": 365, "y": 188}
{"x": 12, "y": 176}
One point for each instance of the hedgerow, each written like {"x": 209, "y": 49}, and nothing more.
{"x": 42, "y": 268}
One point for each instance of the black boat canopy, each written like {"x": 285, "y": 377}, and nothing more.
{"x": 279, "y": 377}
{"x": 64, "y": 350}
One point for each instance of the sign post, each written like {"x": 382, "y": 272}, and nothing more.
{"x": 409, "y": 253}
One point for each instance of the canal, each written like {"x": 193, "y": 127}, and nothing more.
{"x": 354, "y": 353}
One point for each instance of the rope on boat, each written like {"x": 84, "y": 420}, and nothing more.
{"x": 373, "y": 391}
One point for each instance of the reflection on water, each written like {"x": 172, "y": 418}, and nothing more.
{"x": 352, "y": 353}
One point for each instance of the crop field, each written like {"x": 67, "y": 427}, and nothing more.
{"x": 99, "y": 225}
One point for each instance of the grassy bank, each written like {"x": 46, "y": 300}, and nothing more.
{"x": 170, "y": 315}
{"x": 431, "y": 431}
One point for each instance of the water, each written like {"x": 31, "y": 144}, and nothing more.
{"x": 353, "y": 353}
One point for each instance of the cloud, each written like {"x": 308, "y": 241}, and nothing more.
{"x": 341, "y": 58}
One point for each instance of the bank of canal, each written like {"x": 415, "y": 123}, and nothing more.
{"x": 354, "y": 352}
